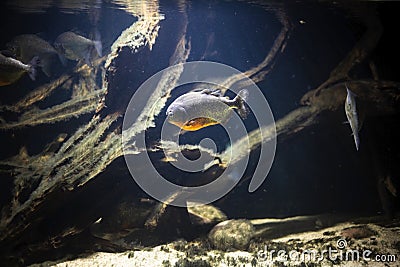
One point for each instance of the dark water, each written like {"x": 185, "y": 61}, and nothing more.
{"x": 317, "y": 170}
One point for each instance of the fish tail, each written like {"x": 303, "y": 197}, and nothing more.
{"x": 99, "y": 47}
{"x": 32, "y": 67}
{"x": 240, "y": 100}
{"x": 356, "y": 141}
{"x": 89, "y": 52}
{"x": 62, "y": 59}
{"x": 45, "y": 64}
{"x": 88, "y": 57}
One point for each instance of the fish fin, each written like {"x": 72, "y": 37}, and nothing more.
{"x": 357, "y": 142}
{"x": 182, "y": 132}
{"x": 62, "y": 59}
{"x": 87, "y": 57}
{"x": 356, "y": 138}
{"x": 32, "y": 67}
{"x": 45, "y": 64}
{"x": 47, "y": 70}
{"x": 99, "y": 47}
{"x": 97, "y": 42}
{"x": 214, "y": 92}
{"x": 239, "y": 101}
{"x": 205, "y": 91}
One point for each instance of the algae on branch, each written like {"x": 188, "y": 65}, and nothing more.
{"x": 158, "y": 98}
{"x": 93, "y": 146}
{"x": 83, "y": 155}
{"x": 141, "y": 33}
{"x": 86, "y": 97}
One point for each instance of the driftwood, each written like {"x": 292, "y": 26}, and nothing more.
{"x": 82, "y": 156}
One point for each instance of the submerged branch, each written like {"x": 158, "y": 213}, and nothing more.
{"x": 74, "y": 166}
{"x": 361, "y": 50}
{"x": 95, "y": 144}
{"x": 161, "y": 93}
{"x": 384, "y": 97}
{"x": 259, "y": 72}
{"x": 71, "y": 108}
{"x": 37, "y": 95}
{"x": 82, "y": 156}
{"x": 42, "y": 92}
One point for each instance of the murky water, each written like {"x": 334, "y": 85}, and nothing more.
{"x": 287, "y": 49}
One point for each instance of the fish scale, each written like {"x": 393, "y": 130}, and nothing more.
{"x": 352, "y": 117}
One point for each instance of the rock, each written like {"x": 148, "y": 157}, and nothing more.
{"x": 121, "y": 221}
{"x": 358, "y": 232}
{"x": 205, "y": 214}
{"x": 232, "y": 234}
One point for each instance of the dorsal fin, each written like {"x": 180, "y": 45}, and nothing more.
{"x": 214, "y": 92}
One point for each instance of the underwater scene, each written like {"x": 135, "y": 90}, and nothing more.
{"x": 199, "y": 133}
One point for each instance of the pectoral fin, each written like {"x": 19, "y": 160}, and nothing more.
{"x": 198, "y": 123}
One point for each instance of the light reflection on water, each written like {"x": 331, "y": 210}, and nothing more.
{"x": 77, "y": 6}
{"x": 41, "y": 6}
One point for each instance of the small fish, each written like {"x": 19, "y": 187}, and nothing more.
{"x": 76, "y": 47}
{"x": 11, "y": 69}
{"x": 26, "y": 46}
{"x": 196, "y": 110}
{"x": 351, "y": 114}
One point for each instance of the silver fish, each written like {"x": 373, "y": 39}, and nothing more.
{"x": 26, "y": 46}
{"x": 76, "y": 47}
{"x": 351, "y": 114}
{"x": 11, "y": 70}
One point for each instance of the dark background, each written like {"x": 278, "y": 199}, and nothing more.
{"x": 318, "y": 170}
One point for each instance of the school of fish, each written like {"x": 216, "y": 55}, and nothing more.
{"x": 26, "y": 52}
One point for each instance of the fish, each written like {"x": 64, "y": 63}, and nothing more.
{"x": 352, "y": 117}
{"x": 76, "y": 47}
{"x": 199, "y": 109}
{"x": 26, "y": 46}
{"x": 11, "y": 69}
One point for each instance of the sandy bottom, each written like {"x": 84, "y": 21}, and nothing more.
{"x": 344, "y": 244}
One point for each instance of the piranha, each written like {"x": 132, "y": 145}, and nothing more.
{"x": 196, "y": 110}
{"x": 77, "y": 47}
{"x": 352, "y": 117}
{"x": 11, "y": 69}
{"x": 26, "y": 46}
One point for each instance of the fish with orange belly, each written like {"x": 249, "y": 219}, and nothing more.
{"x": 196, "y": 110}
